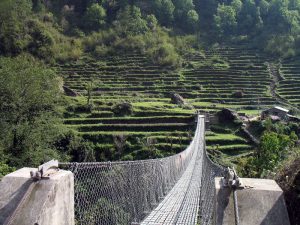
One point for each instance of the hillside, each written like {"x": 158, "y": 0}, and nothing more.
{"x": 108, "y": 80}
{"x": 147, "y": 88}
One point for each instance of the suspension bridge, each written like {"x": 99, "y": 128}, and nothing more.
{"x": 175, "y": 190}
{"x": 179, "y": 189}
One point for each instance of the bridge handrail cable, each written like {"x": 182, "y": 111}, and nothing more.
{"x": 126, "y": 192}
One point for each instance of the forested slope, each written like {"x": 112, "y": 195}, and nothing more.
{"x": 135, "y": 72}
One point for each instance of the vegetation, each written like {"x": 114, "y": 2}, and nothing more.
{"x": 278, "y": 142}
{"x": 121, "y": 61}
{"x": 29, "y": 96}
{"x": 272, "y": 25}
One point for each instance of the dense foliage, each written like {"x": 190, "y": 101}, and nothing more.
{"x": 272, "y": 25}
{"x": 28, "y": 97}
{"x": 278, "y": 141}
{"x": 53, "y": 29}
{"x": 159, "y": 35}
{"x": 30, "y": 100}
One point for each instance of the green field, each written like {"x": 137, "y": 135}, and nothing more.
{"x": 208, "y": 83}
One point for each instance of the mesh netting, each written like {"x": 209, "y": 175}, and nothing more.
{"x": 210, "y": 171}
{"x": 126, "y": 192}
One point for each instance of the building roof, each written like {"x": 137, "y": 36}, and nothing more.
{"x": 275, "y": 118}
{"x": 281, "y": 109}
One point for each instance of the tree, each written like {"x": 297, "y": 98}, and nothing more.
{"x": 37, "y": 5}
{"x": 94, "y": 18}
{"x": 268, "y": 124}
{"x": 5, "y": 169}
{"x": 225, "y": 20}
{"x": 184, "y": 5}
{"x": 249, "y": 19}
{"x": 268, "y": 151}
{"x": 131, "y": 22}
{"x": 29, "y": 94}
{"x": 237, "y": 5}
{"x": 276, "y": 16}
{"x": 151, "y": 22}
{"x": 273, "y": 148}
{"x": 13, "y": 14}
{"x": 164, "y": 10}
{"x": 89, "y": 88}
{"x": 192, "y": 19}
{"x": 264, "y": 8}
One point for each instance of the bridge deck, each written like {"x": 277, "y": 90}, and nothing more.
{"x": 181, "y": 205}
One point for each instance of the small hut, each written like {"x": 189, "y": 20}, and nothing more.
{"x": 275, "y": 112}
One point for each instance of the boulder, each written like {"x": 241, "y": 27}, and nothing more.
{"x": 177, "y": 99}
{"x": 226, "y": 115}
{"x": 69, "y": 92}
{"x": 238, "y": 94}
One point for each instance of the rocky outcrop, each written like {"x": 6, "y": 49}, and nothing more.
{"x": 69, "y": 92}
{"x": 177, "y": 99}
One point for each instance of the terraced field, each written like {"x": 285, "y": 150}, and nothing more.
{"x": 289, "y": 87}
{"x": 225, "y": 145}
{"x": 245, "y": 72}
{"x": 157, "y": 127}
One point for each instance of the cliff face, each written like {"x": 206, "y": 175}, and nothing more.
{"x": 289, "y": 181}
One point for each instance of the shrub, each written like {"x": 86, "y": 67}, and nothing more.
{"x": 238, "y": 94}
{"x": 5, "y": 169}
{"x": 165, "y": 54}
{"x": 123, "y": 109}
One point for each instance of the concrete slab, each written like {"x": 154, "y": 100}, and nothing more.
{"x": 49, "y": 201}
{"x": 260, "y": 203}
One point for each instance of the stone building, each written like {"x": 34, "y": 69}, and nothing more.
{"x": 276, "y": 113}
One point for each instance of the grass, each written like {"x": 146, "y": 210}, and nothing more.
{"x": 207, "y": 82}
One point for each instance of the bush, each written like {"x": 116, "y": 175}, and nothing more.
{"x": 238, "y": 94}
{"x": 5, "y": 169}
{"x": 157, "y": 46}
{"x": 123, "y": 109}
{"x": 165, "y": 54}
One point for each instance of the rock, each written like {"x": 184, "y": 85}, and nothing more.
{"x": 226, "y": 115}
{"x": 238, "y": 94}
{"x": 69, "y": 92}
{"x": 177, "y": 99}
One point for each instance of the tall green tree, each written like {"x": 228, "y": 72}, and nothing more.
{"x": 192, "y": 20}
{"x": 28, "y": 98}
{"x": 94, "y": 18}
{"x": 249, "y": 19}
{"x": 181, "y": 8}
{"x": 164, "y": 11}
{"x": 226, "y": 20}
{"x": 237, "y": 5}
{"x": 131, "y": 22}
{"x": 13, "y": 36}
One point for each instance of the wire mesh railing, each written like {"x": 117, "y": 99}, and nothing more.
{"x": 122, "y": 193}
{"x": 210, "y": 170}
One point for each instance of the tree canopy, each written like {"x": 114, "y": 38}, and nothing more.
{"x": 29, "y": 94}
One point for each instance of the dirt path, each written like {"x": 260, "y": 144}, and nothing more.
{"x": 276, "y": 78}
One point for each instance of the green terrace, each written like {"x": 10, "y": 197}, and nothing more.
{"x": 289, "y": 86}
{"x": 224, "y": 77}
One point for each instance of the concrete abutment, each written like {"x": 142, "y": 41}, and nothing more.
{"x": 44, "y": 202}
